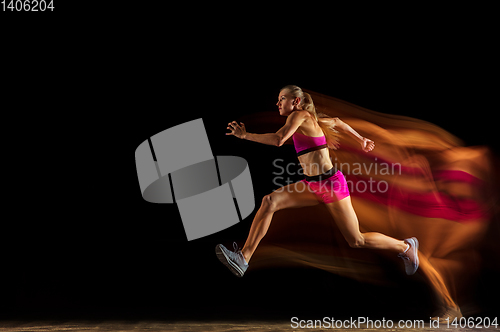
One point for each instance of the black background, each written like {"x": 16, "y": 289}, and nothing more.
{"x": 79, "y": 240}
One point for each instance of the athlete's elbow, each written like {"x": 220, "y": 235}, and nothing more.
{"x": 341, "y": 125}
{"x": 280, "y": 141}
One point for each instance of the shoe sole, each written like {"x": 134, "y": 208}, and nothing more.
{"x": 417, "y": 263}
{"x": 227, "y": 262}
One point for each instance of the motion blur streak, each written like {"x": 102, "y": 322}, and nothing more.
{"x": 443, "y": 193}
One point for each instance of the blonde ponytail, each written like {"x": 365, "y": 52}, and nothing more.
{"x": 308, "y": 105}
{"x": 325, "y": 122}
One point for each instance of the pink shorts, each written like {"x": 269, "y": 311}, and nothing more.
{"x": 328, "y": 187}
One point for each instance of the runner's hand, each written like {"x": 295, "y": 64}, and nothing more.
{"x": 237, "y": 130}
{"x": 367, "y": 145}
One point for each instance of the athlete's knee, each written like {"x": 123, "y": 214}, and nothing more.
{"x": 269, "y": 203}
{"x": 357, "y": 241}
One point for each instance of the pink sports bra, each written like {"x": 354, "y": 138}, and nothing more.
{"x": 305, "y": 144}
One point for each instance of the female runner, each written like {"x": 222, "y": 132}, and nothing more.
{"x": 312, "y": 136}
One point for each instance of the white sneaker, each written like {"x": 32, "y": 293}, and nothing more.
{"x": 233, "y": 260}
{"x": 410, "y": 257}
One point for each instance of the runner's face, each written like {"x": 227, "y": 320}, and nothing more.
{"x": 286, "y": 103}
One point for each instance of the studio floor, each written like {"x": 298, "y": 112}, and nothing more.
{"x": 219, "y": 326}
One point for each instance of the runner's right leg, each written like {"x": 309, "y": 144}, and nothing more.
{"x": 292, "y": 196}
